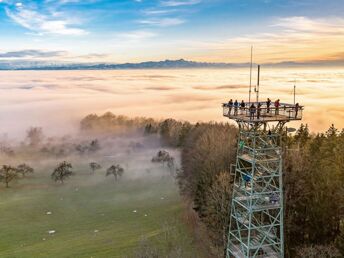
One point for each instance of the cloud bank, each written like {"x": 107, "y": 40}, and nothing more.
{"x": 49, "y": 22}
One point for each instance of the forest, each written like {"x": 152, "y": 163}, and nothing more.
{"x": 313, "y": 180}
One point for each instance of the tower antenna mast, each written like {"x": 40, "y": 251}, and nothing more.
{"x": 249, "y": 97}
{"x": 295, "y": 92}
{"x": 258, "y": 84}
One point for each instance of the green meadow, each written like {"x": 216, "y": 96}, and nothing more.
{"x": 92, "y": 216}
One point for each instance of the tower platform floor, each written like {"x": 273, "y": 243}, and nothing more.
{"x": 286, "y": 112}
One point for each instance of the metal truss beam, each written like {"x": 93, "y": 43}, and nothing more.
{"x": 256, "y": 221}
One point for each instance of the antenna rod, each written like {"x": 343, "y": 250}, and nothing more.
{"x": 249, "y": 95}
{"x": 258, "y": 81}
{"x": 295, "y": 92}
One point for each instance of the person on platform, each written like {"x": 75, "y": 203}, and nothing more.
{"x": 277, "y": 105}
{"x": 268, "y": 104}
{"x": 252, "y": 111}
{"x": 242, "y": 107}
{"x": 259, "y": 109}
{"x": 297, "y": 107}
{"x": 230, "y": 106}
{"x": 236, "y": 106}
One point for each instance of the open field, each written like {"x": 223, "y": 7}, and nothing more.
{"x": 95, "y": 218}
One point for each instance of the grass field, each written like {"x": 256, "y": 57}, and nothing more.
{"x": 92, "y": 215}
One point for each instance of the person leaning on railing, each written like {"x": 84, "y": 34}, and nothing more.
{"x": 268, "y": 104}
{"x": 252, "y": 111}
{"x": 259, "y": 109}
{"x": 242, "y": 107}
{"x": 230, "y": 106}
{"x": 297, "y": 106}
{"x": 277, "y": 105}
{"x": 236, "y": 105}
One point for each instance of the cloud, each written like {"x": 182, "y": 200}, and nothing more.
{"x": 68, "y": 1}
{"x": 43, "y": 23}
{"x": 299, "y": 39}
{"x": 304, "y": 24}
{"x": 161, "y": 88}
{"x": 164, "y": 22}
{"x": 158, "y": 11}
{"x": 222, "y": 87}
{"x": 188, "y": 98}
{"x": 61, "y": 2}
{"x": 136, "y": 35}
{"x": 92, "y": 56}
{"x": 30, "y": 53}
{"x": 175, "y": 3}
{"x": 27, "y": 56}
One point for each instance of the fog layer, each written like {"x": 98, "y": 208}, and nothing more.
{"x": 57, "y": 100}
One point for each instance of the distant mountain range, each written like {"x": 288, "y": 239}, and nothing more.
{"x": 167, "y": 64}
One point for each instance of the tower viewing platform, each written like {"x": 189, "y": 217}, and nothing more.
{"x": 260, "y": 112}
{"x": 256, "y": 227}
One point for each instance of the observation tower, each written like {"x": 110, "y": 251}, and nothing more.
{"x": 256, "y": 220}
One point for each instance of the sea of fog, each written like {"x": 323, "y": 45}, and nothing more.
{"x": 57, "y": 100}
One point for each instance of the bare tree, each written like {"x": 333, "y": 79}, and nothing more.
{"x": 217, "y": 210}
{"x": 115, "y": 170}
{"x": 24, "y": 169}
{"x": 328, "y": 251}
{"x": 88, "y": 147}
{"x": 94, "y": 166}
{"x": 7, "y": 174}
{"x": 35, "y": 136}
{"x": 62, "y": 172}
{"x": 94, "y": 146}
{"x": 165, "y": 158}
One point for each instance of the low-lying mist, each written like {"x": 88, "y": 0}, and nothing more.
{"x": 57, "y": 100}
{"x": 130, "y": 149}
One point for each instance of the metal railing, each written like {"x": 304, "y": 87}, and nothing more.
{"x": 263, "y": 113}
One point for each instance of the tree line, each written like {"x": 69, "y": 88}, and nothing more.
{"x": 313, "y": 186}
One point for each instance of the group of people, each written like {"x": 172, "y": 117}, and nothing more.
{"x": 236, "y": 105}
{"x": 255, "y": 111}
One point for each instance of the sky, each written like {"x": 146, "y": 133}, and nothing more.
{"x": 120, "y": 31}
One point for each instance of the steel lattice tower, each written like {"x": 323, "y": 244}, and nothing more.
{"x": 256, "y": 220}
